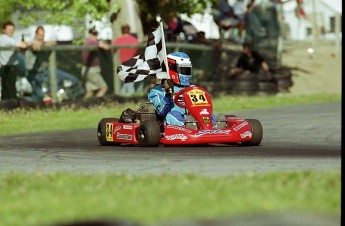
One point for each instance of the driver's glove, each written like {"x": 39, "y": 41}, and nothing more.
{"x": 169, "y": 87}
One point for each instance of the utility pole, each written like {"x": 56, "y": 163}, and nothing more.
{"x": 314, "y": 22}
{"x": 337, "y": 33}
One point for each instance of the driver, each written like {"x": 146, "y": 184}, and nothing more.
{"x": 180, "y": 71}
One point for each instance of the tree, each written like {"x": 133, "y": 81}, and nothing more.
{"x": 68, "y": 11}
{"x": 150, "y": 9}
{"x": 59, "y": 12}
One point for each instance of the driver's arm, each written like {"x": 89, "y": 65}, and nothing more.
{"x": 161, "y": 102}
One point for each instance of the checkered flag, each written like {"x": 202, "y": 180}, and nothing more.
{"x": 150, "y": 65}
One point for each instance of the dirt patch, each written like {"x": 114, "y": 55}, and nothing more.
{"x": 319, "y": 72}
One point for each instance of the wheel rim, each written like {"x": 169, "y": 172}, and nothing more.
{"x": 142, "y": 134}
{"x": 99, "y": 134}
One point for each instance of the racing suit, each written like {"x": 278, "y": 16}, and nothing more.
{"x": 166, "y": 108}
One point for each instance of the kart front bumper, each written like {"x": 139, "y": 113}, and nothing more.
{"x": 177, "y": 135}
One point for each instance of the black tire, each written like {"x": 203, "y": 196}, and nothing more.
{"x": 268, "y": 87}
{"x": 102, "y": 133}
{"x": 257, "y": 133}
{"x": 245, "y": 87}
{"x": 247, "y": 77}
{"x": 232, "y": 116}
{"x": 283, "y": 74}
{"x": 149, "y": 133}
{"x": 9, "y": 104}
{"x": 284, "y": 84}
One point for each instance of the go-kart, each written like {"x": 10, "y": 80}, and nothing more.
{"x": 144, "y": 127}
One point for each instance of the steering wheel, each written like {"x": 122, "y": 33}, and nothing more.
{"x": 179, "y": 98}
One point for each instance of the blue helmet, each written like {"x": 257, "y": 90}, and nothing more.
{"x": 180, "y": 68}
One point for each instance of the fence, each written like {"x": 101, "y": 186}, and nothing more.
{"x": 58, "y": 54}
{"x": 211, "y": 66}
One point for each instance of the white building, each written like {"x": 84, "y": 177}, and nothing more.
{"x": 327, "y": 19}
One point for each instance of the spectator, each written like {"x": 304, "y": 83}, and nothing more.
{"x": 254, "y": 28}
{"x": 36, "y": 62}
{"x": 225, "y": 19}
{"x": 201, "y": 39}
{"x": 250, "y": 6}
{"x": 9, "y": 61}
{"x": 222, "y": 11}
{"x": 175, "y": 27}
{"x": 251, "y": 61}
{"x": 239, "y": 9}
{"x": 125, "y": 54}
{"x": 37, "y": 65}
{"x": 91, "y": 70}
{"x": 239, "y": 14}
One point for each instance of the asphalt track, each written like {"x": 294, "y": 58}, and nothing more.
{"x": 295, "y": 137}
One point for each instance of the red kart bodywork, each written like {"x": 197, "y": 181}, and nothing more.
{"x": 239, "y": 130}
{"x": 230, "y": 129}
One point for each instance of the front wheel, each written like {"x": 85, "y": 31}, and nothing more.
{"x": 105, "y": 130}
{"x": 257, "y": 133}
{"x": 149, "y": 133}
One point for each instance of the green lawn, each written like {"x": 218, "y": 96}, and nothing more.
{"x": 43, "y": 199}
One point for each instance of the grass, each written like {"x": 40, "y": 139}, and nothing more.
{"x": 28, "y": 121}
{"x": 43, "y": 199}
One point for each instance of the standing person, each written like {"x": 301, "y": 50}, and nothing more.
{"x": 175, "y": 27}
{"x": 36, "y": 62}
{"x": 226, "y": 19}
{"x": 126, "y": 54}
{"x": 9, "y": 61}
{"x": 239, "y": 12}
{"x": 91, "y": 70}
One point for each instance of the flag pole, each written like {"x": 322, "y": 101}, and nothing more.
{"x": 164, "y": 49}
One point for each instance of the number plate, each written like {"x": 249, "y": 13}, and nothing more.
{"x": 198, "y": 97}
{"x": 109, "y": 132}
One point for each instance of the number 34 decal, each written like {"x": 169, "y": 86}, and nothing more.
{"x": 197, "y": 97}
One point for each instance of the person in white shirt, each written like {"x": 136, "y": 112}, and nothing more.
{"x": 9, "y": 61}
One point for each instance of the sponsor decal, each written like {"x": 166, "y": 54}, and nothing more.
{"x": 124, "y": 136}
{"x": 237, "y": 128}
{"x": 216, "y": 132}
{"x": 179, "y": 128}
{"x": 204, "y": 112}
{"x": 109, "y": 132}
{"x": 181, "y": 137}
{"x": 181, "y": 100}
{"x": 117, "y": 129}
{"x": 206, "y": 119}
{"x": 246, "y": 134}
{"x": 127, "y": 127}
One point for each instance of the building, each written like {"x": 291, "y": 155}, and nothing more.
{"x": 324, "y": 15}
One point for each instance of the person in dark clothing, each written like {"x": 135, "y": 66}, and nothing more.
{"x": 91, "y": 70}
{"x": 251, "y": 61}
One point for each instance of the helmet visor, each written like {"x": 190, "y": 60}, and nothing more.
{"x": 185, "y": 70}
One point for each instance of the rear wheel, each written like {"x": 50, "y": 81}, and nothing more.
{"x": 257, "y": 133}
{"x": 103, "y": 131}
{"x": 149, "y": 133}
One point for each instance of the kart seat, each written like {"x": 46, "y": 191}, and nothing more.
{"x": 128, "y": 115}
